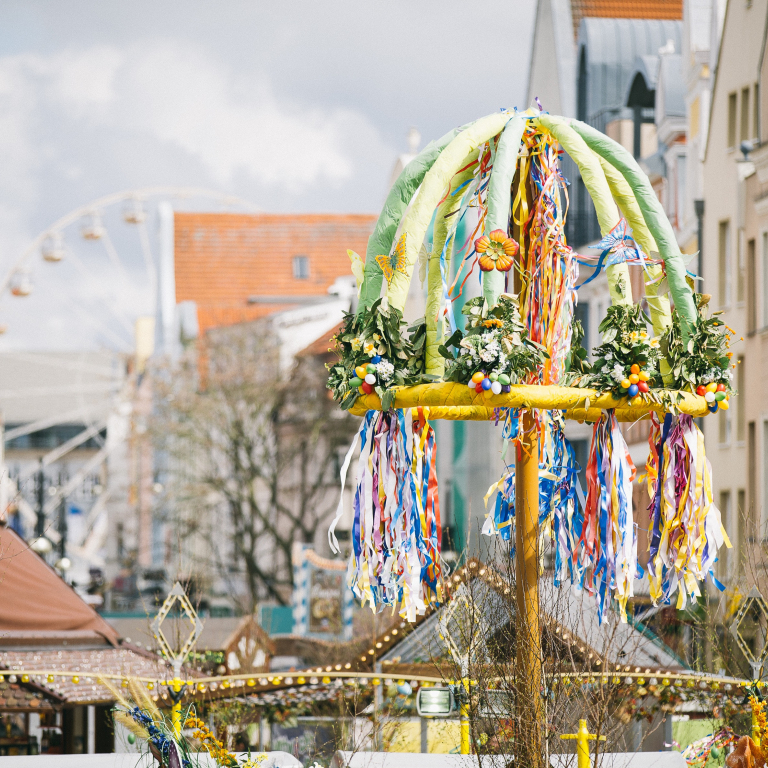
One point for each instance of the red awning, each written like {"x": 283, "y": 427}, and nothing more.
{"x": 33, "y": 597}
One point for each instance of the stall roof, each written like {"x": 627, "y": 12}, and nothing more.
{"x": 37, "y": 601}
{"x": 88, "y": 664}
{"x": 570, "y": 616}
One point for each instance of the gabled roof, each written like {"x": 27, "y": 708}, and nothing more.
{"x": 568, "y": 618}
{"x": 221, "y": 634}
{"x": 38, "y": 604}
{"x": 625, "y": 9}
{"x": 239, "y": 267}
{"x": 88, "y": 664}
{"x": 611, "y": 48}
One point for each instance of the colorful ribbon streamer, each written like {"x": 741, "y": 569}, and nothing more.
{"x": 686, "y": 528}
{"x": 559, "y": 513}
{"x": 548, "y": 296}
{"x": 608, "y": 555}
{"x": 396, "y": 533}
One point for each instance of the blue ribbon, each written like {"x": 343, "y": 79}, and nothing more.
{"x": 617, "y": 247}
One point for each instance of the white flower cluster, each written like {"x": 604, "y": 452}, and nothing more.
{"x": 486, "y": 348}
{"x": 490, "y": 352}
{"x": 618, "y": 373}
{"x": 385, "y": 369}
{"x": 716, "y": 374}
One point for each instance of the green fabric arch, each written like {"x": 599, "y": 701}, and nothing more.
{"x": 432, "y": 190}
{"x": 661, "y": 313}
{"x": 500, "y": 196}
{"x": 444, "y": 220}
{"x": 654, "y": 216}
{"x": 594, "y": 180}
{"x": 401, "y": 194}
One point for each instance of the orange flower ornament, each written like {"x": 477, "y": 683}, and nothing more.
{"x": 496, "y": 250}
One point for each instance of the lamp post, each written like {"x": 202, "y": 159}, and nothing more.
{"x": 62, "y": 527}
{"x": 40, "y": 498}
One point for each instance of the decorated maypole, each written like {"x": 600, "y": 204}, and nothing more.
{"x": 519, "y": 363}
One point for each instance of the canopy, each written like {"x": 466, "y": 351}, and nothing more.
{"x": 35, "y": 599}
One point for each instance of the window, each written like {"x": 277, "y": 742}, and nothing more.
{"x": 732, "y": 99}
{"x": 751, "y": 479}
{"x": 725, "y": 516}
{"x": 694, "y": 118}
{"x": 756, "y": 111}
{"x": 759, "y": 517}
{"x": 680, "y": 202}
{"x": 741, "y": 526}
{"x": 740, "y": 385}
{"x": 301, "y": 267}
{"x": 745, "y": 127}
{"x": 751, "y": 288}
{"x": 724, "y": 426}
{"x": 724, "y": 259}
{"x": 740, "y": 266}
{"x": 581, "y": 453}
{"x": 764, "y": 259}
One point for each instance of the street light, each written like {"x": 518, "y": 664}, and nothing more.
{"x": 41, "y": 545}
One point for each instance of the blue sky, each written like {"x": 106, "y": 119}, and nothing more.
{"x": 295, "y": 106}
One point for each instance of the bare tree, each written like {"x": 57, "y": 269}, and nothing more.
{"x": 250, "y": 451}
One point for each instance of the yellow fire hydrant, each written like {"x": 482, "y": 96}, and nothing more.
{"x": 583, "y": 737}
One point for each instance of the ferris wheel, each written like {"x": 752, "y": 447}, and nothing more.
{"x": 87, "y": 277}
{"x": 70, "y": 306}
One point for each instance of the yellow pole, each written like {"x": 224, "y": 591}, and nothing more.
{"x": 755, "y": 727}
{"x": 527, "y": 586}
{"x": 464, "y": 719}
{"x": 176, "y": 708}
{"x": 583, "y": 737}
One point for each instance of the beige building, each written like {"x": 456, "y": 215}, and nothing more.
{"x": 735, "y": 269}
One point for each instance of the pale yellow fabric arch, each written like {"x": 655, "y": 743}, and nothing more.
{"x": 432, "y": 190}
{"x": 659, "y": 306}
{"x": 435, "y": 362}
{"x": 594, "y": 180}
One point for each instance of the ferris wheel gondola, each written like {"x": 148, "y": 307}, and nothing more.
{"x": 52, "y": 249}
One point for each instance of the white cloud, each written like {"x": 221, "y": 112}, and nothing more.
{"x": 79, "y": 123}
{"x": 186, "y": 98}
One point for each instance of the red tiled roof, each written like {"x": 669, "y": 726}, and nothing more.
{"x": 223, "y": 259}
{"x": 625, "y": 9}
{"x": 322, "y": 345}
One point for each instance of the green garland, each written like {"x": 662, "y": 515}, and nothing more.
{"x": 626, "y": 343}
{"x": 376, "y": 341}
{"x": 496, "y": 343}
{"x": 705, "y": 359}
{"x": 576, "y": 362}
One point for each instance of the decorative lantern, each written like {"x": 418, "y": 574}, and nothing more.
{"x": 21, "y": 284}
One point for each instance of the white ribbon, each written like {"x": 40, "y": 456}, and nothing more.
{"x": 332, "y": 540}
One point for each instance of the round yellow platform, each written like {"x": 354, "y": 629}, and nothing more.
{"x": 457, "y": 402}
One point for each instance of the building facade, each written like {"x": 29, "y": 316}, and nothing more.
{"x": 734, "y": 264}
